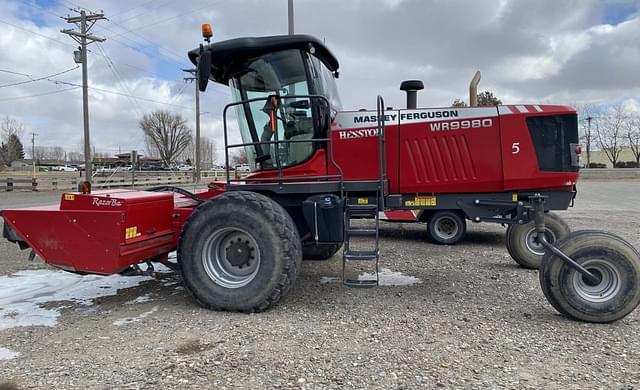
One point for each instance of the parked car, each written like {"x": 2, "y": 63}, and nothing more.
{"x": 243, "y": 168}
{"x": 65, "y": 168}
{"x": 185, "y": 167}
{"x": 104, "y": 170}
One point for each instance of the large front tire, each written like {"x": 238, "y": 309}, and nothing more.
{"x": 239, "y": 252}
{"x": 609, "y": 257}
{"x": 522, "y": 245}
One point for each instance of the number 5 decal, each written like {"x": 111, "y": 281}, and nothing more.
{"x": 515, "y": 148}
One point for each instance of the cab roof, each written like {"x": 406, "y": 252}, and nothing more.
{"x": 226, "y": 55}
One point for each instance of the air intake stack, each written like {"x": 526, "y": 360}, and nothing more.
{"x": 411, "y": 87}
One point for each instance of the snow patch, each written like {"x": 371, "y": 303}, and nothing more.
{"x": 130, "y": 320}
{"x": 386, "y": 277}
{"x": 22, "y": 294}
{"x": 141, "y": 299}
{"x": 7, "y": 354}
{"x": 330, "y": 280}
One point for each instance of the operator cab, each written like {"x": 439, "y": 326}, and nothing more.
{"x": 285, "y": 93}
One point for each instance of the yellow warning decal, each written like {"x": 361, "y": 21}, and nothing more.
{"x": 130, "y": 232}
{"x": 69, "y": 197}
{"x": 421, "y": 201}
{"x": 514, "y": 197}
{"x": 363, "y": 200}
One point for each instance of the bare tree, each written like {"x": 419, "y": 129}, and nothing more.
{"x": 588, "y": 113}
{"x": 458, "y": 103}
{"x": 50, "y": 153}
{"x": 633, "y": 136}
{"x": 11, "y": 126}
{"x": 207, "y": 152}
{"x": 610, "y": 133}
{"x": 485, "y": 99}
{"x": 166, "y": 133}
{"x": 238, "y": 158}
{"x": 11, "y": 147}
{"x": 75, "y": 157}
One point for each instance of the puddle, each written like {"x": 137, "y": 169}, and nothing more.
{"x": 386, "y": 277}
{"x": 130, "y": 320}
{"x": 22, "y": 294}
{"x": 7, "y": 354}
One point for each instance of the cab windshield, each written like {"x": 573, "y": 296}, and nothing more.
{"x": 285, "y": 74}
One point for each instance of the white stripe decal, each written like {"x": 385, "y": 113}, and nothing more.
{"x": 504, "y": 110}
{"x": 522, "y": 108}
{"x": 537, "y": 107}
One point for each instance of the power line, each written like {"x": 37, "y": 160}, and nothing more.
{"x": 160, "y": 21}
{"x": 146, "y": 12}
{"x": 36, "y": 5}
{"x": 123, "y": 94}
{"x": 36, "y": 79}
{"x": 116, "y": 73}
{"x": 140, "y": 50}
{"x": 39, "y": 94}
{"x": 182, "y": 58}
{"x": 35, "y": 33}
{"x": 74, "y": 86}
{"x": 90, "y": 51}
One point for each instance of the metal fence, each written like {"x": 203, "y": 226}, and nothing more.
{"x": 68, "y": 181}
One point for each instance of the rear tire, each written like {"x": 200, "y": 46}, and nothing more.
{"x": 240, "y": 252}
{"x": 521, "y": 244}
{"x": 318, "y": 252}
{"x": 446, "y": 227}
{"x": 604, "y": 254}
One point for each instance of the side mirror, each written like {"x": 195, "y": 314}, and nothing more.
{"x": 204, "y": 69}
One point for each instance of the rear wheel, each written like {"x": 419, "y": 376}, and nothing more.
{"x": 313, "y": 251}
{"x": 614, "y": 261}
{"x": 522, "y": 244}
{"x": 239, "y": 251}
{"x": 446, "y": 227}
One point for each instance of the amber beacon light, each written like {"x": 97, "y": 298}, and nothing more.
{"x": 207, "y": 31}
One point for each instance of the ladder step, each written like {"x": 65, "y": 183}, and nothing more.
{"x": 356, "y": 283}
{"x": 362, "y": 207}
{"x": 361, "y": 232}
{"x": 361, "y": 255}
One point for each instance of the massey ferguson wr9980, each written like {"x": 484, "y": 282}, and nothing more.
{"x": 315, "y": 169}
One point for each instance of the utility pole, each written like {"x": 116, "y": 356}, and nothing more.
{"x": 33, "y": 152}
{"x": 84, "y": 23}
{"x": 196, "y": 170}
{"x": 290, "y": 9}
{"x": 589, "y": 119}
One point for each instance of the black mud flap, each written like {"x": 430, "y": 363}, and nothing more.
{"x": 12, "y": 236}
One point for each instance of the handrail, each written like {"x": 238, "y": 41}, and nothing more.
{"x": 381, "y": 152}
{"x": 277, "y": 141}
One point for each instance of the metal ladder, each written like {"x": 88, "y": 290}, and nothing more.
{"x": 362, "y": 208}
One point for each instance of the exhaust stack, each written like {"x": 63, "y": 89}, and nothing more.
{"x": 411, "y": 87}
{"x": 473, "y": 90}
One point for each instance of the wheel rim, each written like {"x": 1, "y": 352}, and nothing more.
{"x": 610, "y": 281}
{"x": 446, "y": 227}
{"x": 231, "y": 257}
{"x": 534, "y": 246}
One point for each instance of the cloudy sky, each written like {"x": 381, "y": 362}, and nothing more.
{"x": 543, "y": 51}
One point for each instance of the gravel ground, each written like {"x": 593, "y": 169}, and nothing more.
{"x": 476, "y": 320}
